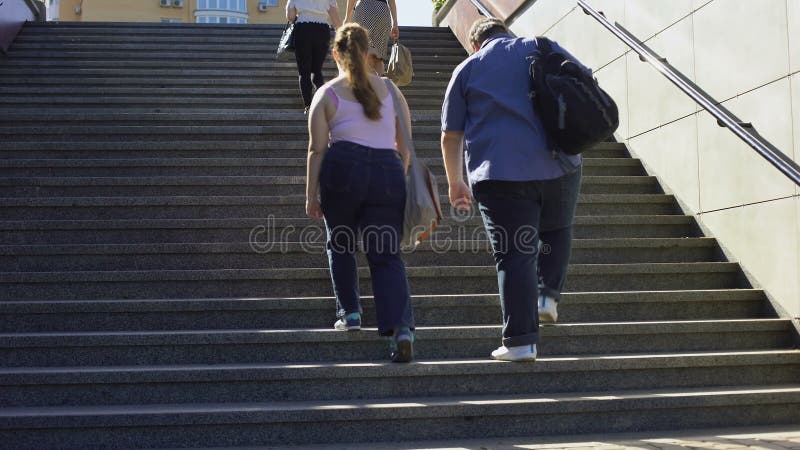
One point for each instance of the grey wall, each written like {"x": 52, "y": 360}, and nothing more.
{"x": 13, "y": 13}
{"x": 745, "y": 53}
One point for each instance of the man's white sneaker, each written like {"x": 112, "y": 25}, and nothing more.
{"x": 548, "y": 309}
{"x": 520, "y": 353}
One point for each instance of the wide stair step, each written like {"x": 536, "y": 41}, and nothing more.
{"x": 242, "y": 424}
{"x": 161, "y": 285}
{"x": 317, "y": 312}
{"x": 247, "y": 346}
{"x": 283, "y": 382}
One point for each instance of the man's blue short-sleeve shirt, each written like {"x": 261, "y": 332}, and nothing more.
{"x": 487, "y": 99}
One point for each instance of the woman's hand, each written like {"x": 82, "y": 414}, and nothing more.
{"x": 395, "y": 33}
{"x": 313, "y": 208}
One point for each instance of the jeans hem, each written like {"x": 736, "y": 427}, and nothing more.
{"x": 550, "y": 292}
{"x": 525, "y": 339}
{"x": 343, "y": 312}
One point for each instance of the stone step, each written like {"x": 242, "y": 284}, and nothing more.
{"x": 275, "y": 255}
{"x": 226, "y": 383}
{"x": 254, "y": 47}
{"x": 39, "y": 316}
{"x": 264, "y": 91}
{"x": 423, "y": 67}
{"x": 218, "y": 75}
{"x": 306, "y": 346}
{"x": 83, "y": 118}
{"x": 207, "y": 207}
{"x": 28, "y": 102}
{"x": 18, "y": 154}
{"x": 297, "y": 131}
{"x": 39, "y": 232}
{"x": 398, "y": 419}
{"x": 34, "y": 80}
{"x": 304, "y": 282}
{"x": 230, "y": 166}
{"x": 152, "y": 29}
{"x": 240, "y": 186}
{"x": 414, "y": 41}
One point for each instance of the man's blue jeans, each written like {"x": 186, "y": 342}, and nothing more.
{"x": 517, "y": 215}
{"x": 363, "y": 192}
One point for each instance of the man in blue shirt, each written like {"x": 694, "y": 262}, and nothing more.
{"x": 526, "y": 189}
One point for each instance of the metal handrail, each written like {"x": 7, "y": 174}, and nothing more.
{"x": 482, "y": 8}
{"x": 744, "y": 131}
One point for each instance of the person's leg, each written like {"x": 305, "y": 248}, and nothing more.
{"x": 382, "y": 225}
{"x": 303, "y": 52}
{"x": 322, "y": 41}
{"x": 510, "y": 212}
{"x": 558, "y": 214}
{"x": 341, "y": 194}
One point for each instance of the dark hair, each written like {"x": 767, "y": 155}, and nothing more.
{"x": 484, "y": 28}
{"x": 352, "y": 43}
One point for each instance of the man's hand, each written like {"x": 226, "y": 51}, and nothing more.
{"x": 313, "y": 209}
{"x": 460, "y": 196}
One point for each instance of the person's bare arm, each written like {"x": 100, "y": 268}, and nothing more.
{"x": 291, "y": 11}
{"x": 453, "y": 155}
{"x": 336, "y": 20}
{"x": 319, "y": 134}
{"x": 403, "y": 146}
{"x": 395, "y": 22}
{"x": 348, "y": 14}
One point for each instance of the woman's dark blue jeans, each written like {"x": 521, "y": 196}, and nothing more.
{"x": 518, "y": 215}
{"x": 363, "y": 194}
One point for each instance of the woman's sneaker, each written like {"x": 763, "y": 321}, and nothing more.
{"x": 519, "y": 353}
{"x": 350, "y": 322}
{"x": 402, "y": 345}
{"x": 548, "y": 309}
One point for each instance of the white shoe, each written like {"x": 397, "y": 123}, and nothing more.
{"x": 350, "y": 322}
{"x": 520, "y": 353}
{"x": 548, "y": 309}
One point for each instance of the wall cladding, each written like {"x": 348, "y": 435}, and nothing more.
{"x": 745, "y": 54}
{"x": 13, "y": 13}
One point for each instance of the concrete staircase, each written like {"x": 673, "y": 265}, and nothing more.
{"x": 160, "y": 286}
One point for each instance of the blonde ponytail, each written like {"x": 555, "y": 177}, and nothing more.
{"x": 352, "y": 43}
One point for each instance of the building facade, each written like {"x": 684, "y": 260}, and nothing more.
{"x": 172, "y": 11}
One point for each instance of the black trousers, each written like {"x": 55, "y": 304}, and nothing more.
{"x": 311, "y": 46}
{"x": 518, "y": 215}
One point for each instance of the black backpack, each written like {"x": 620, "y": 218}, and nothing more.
{"x": 575, "y": 111}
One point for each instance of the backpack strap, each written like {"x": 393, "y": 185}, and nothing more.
{"x": 544, "y": 45}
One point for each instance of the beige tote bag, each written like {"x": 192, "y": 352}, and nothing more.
{"x": 423, "y": 212}
{"x": 400, "y": 69}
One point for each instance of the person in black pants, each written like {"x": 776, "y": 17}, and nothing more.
{"x": 313, "y": 19}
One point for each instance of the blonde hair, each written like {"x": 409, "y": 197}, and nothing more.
{"x": 351, "y": 44}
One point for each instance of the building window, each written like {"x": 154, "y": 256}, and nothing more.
{"x": 52, "y": 10}
{"x": 223, "y": 5}
{"x": 221, "y": 11}
{"x": 221, "y": 19}
{"x": 165, "y": 20}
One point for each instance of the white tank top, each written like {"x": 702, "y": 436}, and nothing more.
{"x": 350, "y": 124}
